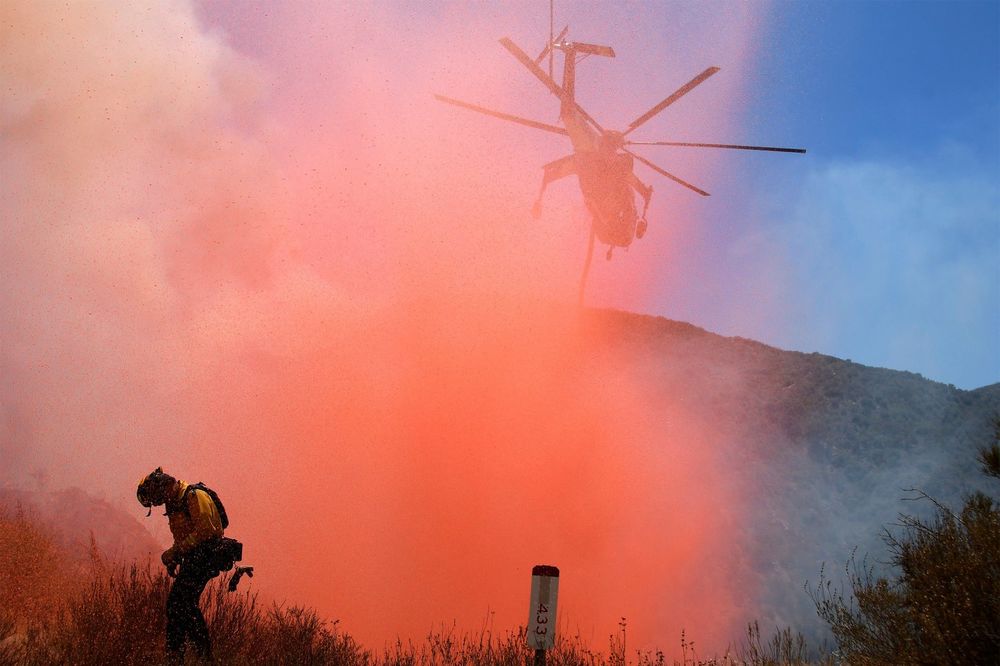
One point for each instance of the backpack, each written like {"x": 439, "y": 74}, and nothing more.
{"x": 224, "y": 553}
{"x": 215, "y": 498}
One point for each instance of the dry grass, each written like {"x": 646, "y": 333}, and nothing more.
{"x": 944, "y": 608}
{"x": 59, "y": 611}
{"x": 36, "y": 575}
{"x": 61, "y": 608}
{"x": 119, "y": 618}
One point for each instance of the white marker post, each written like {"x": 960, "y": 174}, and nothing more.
{"x": 542, "y": 613}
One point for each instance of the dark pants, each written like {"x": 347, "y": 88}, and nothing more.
{"x": 184, "y": 619}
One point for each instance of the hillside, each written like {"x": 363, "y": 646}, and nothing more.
{"x": 77, "y": 518}
{"x": 827, "y": 448}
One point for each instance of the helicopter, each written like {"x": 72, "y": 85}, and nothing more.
{"x": 602, "y": 158}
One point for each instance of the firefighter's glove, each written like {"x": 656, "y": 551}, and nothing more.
{"x": 170, "y": 561}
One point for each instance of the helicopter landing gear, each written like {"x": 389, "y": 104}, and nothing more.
{"x": 640, "y": 227}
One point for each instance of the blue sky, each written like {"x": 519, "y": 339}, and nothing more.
{"x": 889, "y": 228}
{"x": 900, "y": 106}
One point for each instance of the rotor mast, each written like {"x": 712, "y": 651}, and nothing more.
{"x": 552, "y": 11}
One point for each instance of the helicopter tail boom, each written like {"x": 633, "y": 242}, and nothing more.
{"x": 540, "y": 74}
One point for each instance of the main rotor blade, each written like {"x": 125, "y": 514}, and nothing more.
{"x": 683, "y": 90}
{"x": 715, "y": 145}
{"x": 540, "y": 74}
{"x": 667, "y": 174}
{"x": 545, "y": 51}
{"x": 503, "y": 116}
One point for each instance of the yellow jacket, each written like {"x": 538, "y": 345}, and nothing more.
{"x": 199, "y": 522}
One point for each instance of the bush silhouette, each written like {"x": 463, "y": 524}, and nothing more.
{"x": 944, "y": 606}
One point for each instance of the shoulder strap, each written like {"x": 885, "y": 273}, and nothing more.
{"x": 215, "y": 498}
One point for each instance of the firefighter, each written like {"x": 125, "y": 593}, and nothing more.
{"x": 197, "y": 526}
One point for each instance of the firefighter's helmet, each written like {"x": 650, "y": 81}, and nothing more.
{"x": 152, "y": 488}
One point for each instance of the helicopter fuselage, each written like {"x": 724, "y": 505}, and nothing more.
{"x": 606, "y": 175}
{"x": 605, "y": 182}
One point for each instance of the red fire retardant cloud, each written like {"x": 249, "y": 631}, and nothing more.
{"x": 290, "y": 274}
